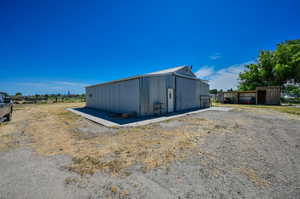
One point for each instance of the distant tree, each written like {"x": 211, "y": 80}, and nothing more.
{"x": 18, "y": 94}
{"x": 213, "y": 91}
{"x": 273, "y": 67}
{"x": 292, "y": 90}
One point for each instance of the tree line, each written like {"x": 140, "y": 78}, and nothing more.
{"x": 47, "y": 98}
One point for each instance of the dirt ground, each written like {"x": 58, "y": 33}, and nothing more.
{"x": 48, "y": 152}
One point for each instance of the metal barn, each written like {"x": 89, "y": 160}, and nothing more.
{"x": 161, "y": 92}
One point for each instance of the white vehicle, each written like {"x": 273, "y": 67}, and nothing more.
{"x": 6, "y": 107}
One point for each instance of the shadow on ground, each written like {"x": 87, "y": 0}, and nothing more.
{"x": 118, "y": 119}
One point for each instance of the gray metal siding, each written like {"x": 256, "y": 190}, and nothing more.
{"x": 204, "y": 88}
{"x": 188, "y": 92}
{"x": 203, "y": 92}
{"x": 140, "y": 95}
{"x": 120, "y": 97}
{"x": 154, "y": 90}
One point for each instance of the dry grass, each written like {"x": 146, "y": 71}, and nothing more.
{"x": 253, "y": 177}
{"x": 283, "y": 109}
{"x": 149, "y": 147}
{"x": 7, "y": 142}
{"x": 51, "y": 131}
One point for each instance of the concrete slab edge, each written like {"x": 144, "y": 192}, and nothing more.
{"x": 95, "y": 119}
{"x": 144, "y": 122}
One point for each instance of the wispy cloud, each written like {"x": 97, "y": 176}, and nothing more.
{"x": 204, "y": 72}
{"x": 225, "y": 78}
{"x": 70, "y": 83}
{"x": 215, "y": 56}
{"x": 43, "y": 87}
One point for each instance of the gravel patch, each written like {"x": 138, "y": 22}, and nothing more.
{"x": 247, "y": 155}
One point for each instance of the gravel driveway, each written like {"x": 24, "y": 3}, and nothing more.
{"x": 235, "y": 154}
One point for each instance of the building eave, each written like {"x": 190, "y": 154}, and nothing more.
{"x": 154, "y": 74}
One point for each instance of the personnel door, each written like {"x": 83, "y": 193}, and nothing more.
{"x": 261, "y": 97}
{"x": 170, "y": 100}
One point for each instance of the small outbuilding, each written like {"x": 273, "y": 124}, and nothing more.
{"x": 161, "y": 92}
{"x": 268, "y": 95}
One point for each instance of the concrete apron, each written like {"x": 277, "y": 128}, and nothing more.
{"x": 108, "y": 123}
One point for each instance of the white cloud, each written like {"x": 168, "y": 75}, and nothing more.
{"x": 206, "y": 71}
{"x": 215, "y": 56}
{"x": 70, "y": 83}
{"x": 225, "y": 78}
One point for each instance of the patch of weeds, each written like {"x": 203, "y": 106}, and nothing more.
{"x": 199, "y": 119}
{"x": 117, "y": 191}
{"x": 89, "y": 165}
{"x": 146, "y": 127}
{"x": 19, "y": 107}
{"x": 132, "y": 130}
{"x": 114, "y": 189}
{"x": 68, "y": 116}
{"x": 218, "y": 126}
{"x": 124, "y": 193}
{"x": 71, "y": 180}
{"x": 127, "y": 173}
{"x": 253, "y": 177}
{"x": 7, "y": 142}
{"x": 84, "y": 166}
{"x": 283, "y": 109}
{"x": 3, "y": 123}
{"x": 168, "y": 121}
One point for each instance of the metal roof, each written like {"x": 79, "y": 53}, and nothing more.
{"x": 166, "y": 71}
{"x": 157, "y": 73}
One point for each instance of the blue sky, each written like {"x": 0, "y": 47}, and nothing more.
{"x": 59, "y": 45}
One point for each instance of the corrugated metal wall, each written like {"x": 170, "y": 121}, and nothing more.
{"x": 154, "y": 90}
{"x": 140, "y": 95}
{"x": 120, "y": 97}
{"x": 188, "y": 92}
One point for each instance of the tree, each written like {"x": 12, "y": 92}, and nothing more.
{"x": 251, "y": 78}
{"x": 293, "y": 90}
{"x": 18, "y": 94}
{"x": 213, "y": 91}
{"x": 273, "y": 67}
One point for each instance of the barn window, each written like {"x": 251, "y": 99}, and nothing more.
{"x": 90, "y": 95}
